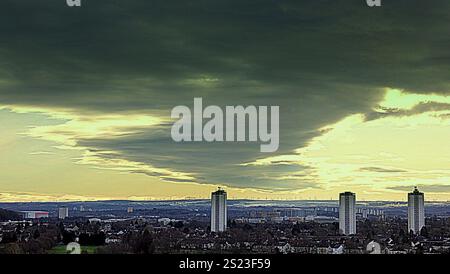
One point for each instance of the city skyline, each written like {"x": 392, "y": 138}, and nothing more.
{"x": 195, "y": 227}
{"x": 85, "y": 104}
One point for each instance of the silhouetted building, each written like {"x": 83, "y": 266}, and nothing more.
{"x": 416, "y": 211}
{"x": 219, "y": 211}
{"x": 347, "y": 213}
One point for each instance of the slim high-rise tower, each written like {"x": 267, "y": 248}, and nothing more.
{"x": 347, "y": 213}
{"x": 416, "y": 211}
{"x": 219, "y": 211}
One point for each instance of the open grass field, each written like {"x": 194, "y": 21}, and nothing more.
{"x": 61, "y": 249}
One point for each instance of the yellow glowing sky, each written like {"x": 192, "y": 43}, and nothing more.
{"x": 371, "y": 157}
{"x": 41, "y": 160}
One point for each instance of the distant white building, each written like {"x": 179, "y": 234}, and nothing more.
{"x": 34, "y": 214}
{"x": 336, "y": 250}
{"x": 94, "y": 220}
{"x": 347, "y": 213}
{"x": 165, "y": 221}
{"x": 416, "y": 211}
{"x": 219, "y": 211}
{"x": 63, "y": 212}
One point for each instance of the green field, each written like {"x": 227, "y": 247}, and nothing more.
{"x": 61, "y": 249}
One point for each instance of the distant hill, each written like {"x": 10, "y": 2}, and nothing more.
{"x": 6, "y": 215}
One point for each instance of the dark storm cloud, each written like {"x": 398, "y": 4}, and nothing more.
{"x": 319, "y": 60}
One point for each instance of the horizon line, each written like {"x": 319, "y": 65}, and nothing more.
{"x": 206, "y": 199}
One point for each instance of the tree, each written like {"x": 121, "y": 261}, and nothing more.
{"x": 247, "y": 227}
{"x": 8, "y": 215}
{"x": 143, "y": 244}
{"x": 9, "y": 237}
{"x": 36, "y": 234}
{"x": 178, "y": 224}
{"x": 92, "y": 239}
{"x": 424, "y": 232}
{"x": 61, "y": 227}
{"x": 68, "y": 237}
{"x": 296, "y": 229}
{"x": 12, "y": 248}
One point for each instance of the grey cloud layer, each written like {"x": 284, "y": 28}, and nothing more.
{"x": 320, "y": 60}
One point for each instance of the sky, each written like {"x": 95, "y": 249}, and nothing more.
{"x": 86, "y": 96}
